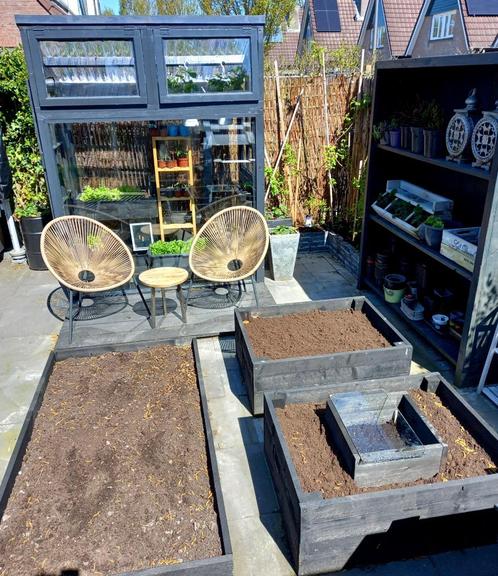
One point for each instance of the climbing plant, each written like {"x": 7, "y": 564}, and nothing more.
{"x": 28, "y": 178}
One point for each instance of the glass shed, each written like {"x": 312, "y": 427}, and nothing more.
{"x": 148, "y": 124}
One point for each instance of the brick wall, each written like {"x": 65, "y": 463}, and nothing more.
{"x": 9, "y": 33}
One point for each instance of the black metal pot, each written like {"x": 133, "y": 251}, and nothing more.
{"x": 417, "y": 140}
{"x": 432, "y": 143}
{"x": 31, "y": 229}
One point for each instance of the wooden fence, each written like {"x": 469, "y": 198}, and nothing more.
{"x": 308, "y": 185}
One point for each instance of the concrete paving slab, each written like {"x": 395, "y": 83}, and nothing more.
{"x": 262, "y": 547}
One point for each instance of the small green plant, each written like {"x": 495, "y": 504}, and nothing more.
{"x": 93, "y": 241}
{"x": 181, "y": 153}
{"x": 182, "y": 81}
{"x": 234, "y": 81}
{"x": 161, "y": 248}
{"x": 385, "y": 199}
{"x": 419, "y": 216}
{"x": 393, "y": 123}
{"x": 435, "y": 222}
{"x": 276, "y": 212}
{"x": 401, "y": 209}
{"x": 106, "y": 194}
{"x": 100, "y": 194}
{"x": 281, "y": 230}
{"x": 432, "y": 116}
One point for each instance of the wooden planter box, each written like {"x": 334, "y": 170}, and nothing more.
{"x": 325, "y": 533}
{"x": 216, "y": 566}
{"x": 261, "y": 375}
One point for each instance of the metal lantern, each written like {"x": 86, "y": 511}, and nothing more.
{"x": 484, "y": 138}
{"x": 459, "y": 129}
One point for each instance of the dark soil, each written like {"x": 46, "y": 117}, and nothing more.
{"x": 319, "y": 469}
{"x": 115, "y": 477}
{"x": 312, "y": 333}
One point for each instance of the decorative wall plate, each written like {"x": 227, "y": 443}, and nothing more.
{"x": 484, "y": 137}
{"x": 458, "y": 133}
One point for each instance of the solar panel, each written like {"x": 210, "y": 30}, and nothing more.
{"x": 327, "y": 16}
{"x": 482, "y": 7}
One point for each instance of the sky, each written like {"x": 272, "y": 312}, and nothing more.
{"x": 114, "y": 4}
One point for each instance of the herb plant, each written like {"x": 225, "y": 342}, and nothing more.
{"x": 435, "y": 222}
{"x": 161, "y": 248}
{"x": 281, "y": 230}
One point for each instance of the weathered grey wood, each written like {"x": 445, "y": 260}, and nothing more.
{"x": 372, "y": 469}
{"x": 217, "y": 566}
{"x": 261, "y": 375}
{"x": 327, "y": 532}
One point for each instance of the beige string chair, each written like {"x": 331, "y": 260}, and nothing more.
{"x": 85, "y": 257}
{"x": 230, "y": 247}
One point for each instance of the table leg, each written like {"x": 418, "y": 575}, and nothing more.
{"x": 153, "y": 306}
{"x": 183, "y": 302}
{"x": 163, "y": 294}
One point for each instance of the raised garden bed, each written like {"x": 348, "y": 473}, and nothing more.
{"x": 328, "y": 517}
{"x": 115, "y": 471}
{"x": 316, "y": 344}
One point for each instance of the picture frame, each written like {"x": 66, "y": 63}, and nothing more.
{"x": 141, "y": 236}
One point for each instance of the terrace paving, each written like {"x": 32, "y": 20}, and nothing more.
{"x": 29, "y": 332}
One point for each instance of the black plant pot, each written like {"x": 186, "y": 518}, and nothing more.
{"x": 406, "y": 137}
{"x": 395, "y": 138}
{"x": 417, "y": 140}
{"x": 433, "y": 236}
{"x": 31, "y": 229}
{"x": 432, "y": 143}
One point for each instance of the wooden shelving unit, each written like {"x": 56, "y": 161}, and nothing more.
{"x": 473, "y": 191}
{"x": 189, "y": 170}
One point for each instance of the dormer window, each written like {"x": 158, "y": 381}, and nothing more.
{"x": 442, "y": 25}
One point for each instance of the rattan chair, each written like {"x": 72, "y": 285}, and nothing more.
{"x": 230, "y": 247}
{"x": 85, "y": 257}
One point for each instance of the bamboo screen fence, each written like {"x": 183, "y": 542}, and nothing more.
{"x": 309, "y": 185}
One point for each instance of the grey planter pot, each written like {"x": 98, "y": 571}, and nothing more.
{"x": 433, "y": 236}
{"x": 324, "y": 534}
{"x": 261, "y": 374}
{"x": 282, "y": 255}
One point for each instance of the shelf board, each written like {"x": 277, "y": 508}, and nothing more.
{"x": 175, "y": 169}
{"x": 440, "y": 162}
{"x": 175, "y": 226}
{"x": 170, "y": 138}
{"x": 422, "y": 247}
{"x": 445, "y": 345}
{"x": 174, "y": 199}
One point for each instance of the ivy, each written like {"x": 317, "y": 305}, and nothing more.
{"x": 28, "y": 177}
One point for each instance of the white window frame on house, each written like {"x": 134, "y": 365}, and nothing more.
{"x": 381, "y": 31}
{"x": 442, "y": 25}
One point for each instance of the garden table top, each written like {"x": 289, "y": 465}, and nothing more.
{"x": 164, "y": 277}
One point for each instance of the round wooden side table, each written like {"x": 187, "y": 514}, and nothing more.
{"x": 160, "y": 279}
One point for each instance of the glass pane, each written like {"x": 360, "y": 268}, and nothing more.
{"x": 169, "y": 174}
{"x": 89, "y": 68}
{"x": 207, "y": 65}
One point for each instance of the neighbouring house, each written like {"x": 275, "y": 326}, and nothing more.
{"x": 9, "y": 33}
{"x": 447, "y": 27}
{"x": 283, "y": 48}
{"x": 387, "y": 27}
{"x": 330, "y": 23}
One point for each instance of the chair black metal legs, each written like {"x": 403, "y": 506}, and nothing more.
{"x": 255, "y": 291}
